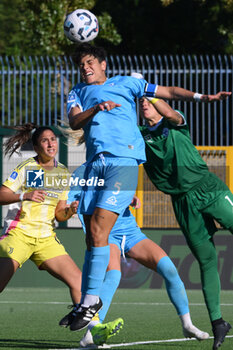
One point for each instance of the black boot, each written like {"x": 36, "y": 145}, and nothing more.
{"x": 220, "y": 330}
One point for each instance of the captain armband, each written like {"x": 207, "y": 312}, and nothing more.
{"x": 150, "y": 90}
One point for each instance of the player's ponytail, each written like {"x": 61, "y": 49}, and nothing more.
{"x": 76, "y": 136}
{"x": 22, "y": 136}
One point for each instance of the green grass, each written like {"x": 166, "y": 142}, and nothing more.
{"x": 29, "y": 319}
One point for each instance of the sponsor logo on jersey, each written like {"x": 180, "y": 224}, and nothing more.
{"x": 35, "y": 178}
{"x": 13, "y": 176}
{"x": 71, "y": 97}
{"x": 52, "y": 195}
{"x": 111, "y": 200}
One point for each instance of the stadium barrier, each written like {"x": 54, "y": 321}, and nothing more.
{"x": 135, "y": 275}
{"x": 35, "y": 88}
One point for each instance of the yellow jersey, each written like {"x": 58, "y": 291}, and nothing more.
{"x": 29, "y": 217}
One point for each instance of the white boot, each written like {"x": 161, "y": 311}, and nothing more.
{"x": 87, "y": 340}
{"x": 189, "y": 330}
{"x": 194, "y": 332}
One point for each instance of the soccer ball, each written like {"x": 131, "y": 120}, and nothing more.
{"x": 81, "y": 26}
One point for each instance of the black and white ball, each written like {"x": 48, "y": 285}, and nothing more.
{"x": 81, "y": 26}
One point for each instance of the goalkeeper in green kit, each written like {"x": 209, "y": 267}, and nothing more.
{"x": 198, "y": 196}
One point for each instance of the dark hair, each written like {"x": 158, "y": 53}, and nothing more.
{"x": 22, "y": 136}
{"x": 88, "y": 49}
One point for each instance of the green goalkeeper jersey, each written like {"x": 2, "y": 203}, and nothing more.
{"x": 173, "y": 163}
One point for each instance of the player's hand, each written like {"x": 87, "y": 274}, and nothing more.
{"x": 136, "y": 203}
{"x": 35, "y": 196}
{"x": 220, "y": 96}
{"x": 74, "y": 206}
{"x": 107, "y": 106}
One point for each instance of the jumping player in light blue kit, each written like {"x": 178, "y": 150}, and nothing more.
{"x": 105, "y": 109}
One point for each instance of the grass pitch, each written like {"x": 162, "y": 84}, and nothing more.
{"x": 29, "y": 320}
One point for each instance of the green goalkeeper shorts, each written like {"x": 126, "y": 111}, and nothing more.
{"x": 197, "y": 210}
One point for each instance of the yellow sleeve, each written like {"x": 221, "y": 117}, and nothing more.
{"x": 16, "y": 179}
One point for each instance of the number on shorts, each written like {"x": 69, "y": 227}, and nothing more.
{"x": 118, "y": 186}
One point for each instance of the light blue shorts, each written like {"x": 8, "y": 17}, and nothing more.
{"x": 125, "y": 234}
{"x": 111, "y": 183}
{"x": 126, "y": 240}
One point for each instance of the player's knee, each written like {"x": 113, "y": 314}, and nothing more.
{"x": 167, "y": 269}
{"x": 206, "y": 255}
{"x": 208, "y": 264}
{"x": 171, "y": 271}
{"x": 98, "y": 236}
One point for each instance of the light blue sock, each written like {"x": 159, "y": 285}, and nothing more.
{"x": 98, "y": 264}
{"x": 85, "y": 273}
{"x": 111, "y": 282}
{"x": 174, "y": 285}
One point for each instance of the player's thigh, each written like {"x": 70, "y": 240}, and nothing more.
{"x": 101, "y": 224}
{"x": 196, "y": 226}
{"x": 7, "y": 269}
{"x": 64, "y": 268}
{"x": 222, "y": 210}
{"x": 147, "y": 253}
{"x": 46, "y": 249}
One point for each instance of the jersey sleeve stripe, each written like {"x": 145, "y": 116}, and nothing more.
{"x": 21, "y": 165}
{"x": 14, "y": 222}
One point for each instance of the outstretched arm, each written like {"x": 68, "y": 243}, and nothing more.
{"x": 166, "y": 111}
{"x": 177, "y": 93}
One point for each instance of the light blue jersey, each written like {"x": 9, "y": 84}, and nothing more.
{"x": 112, "y": 131}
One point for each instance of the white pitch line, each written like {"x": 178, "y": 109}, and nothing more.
{"x": 35, "y": 302}
{"x": 139, "y": 343}
{"x": 119, "y": 303}
{"x": 143, "y": 303}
